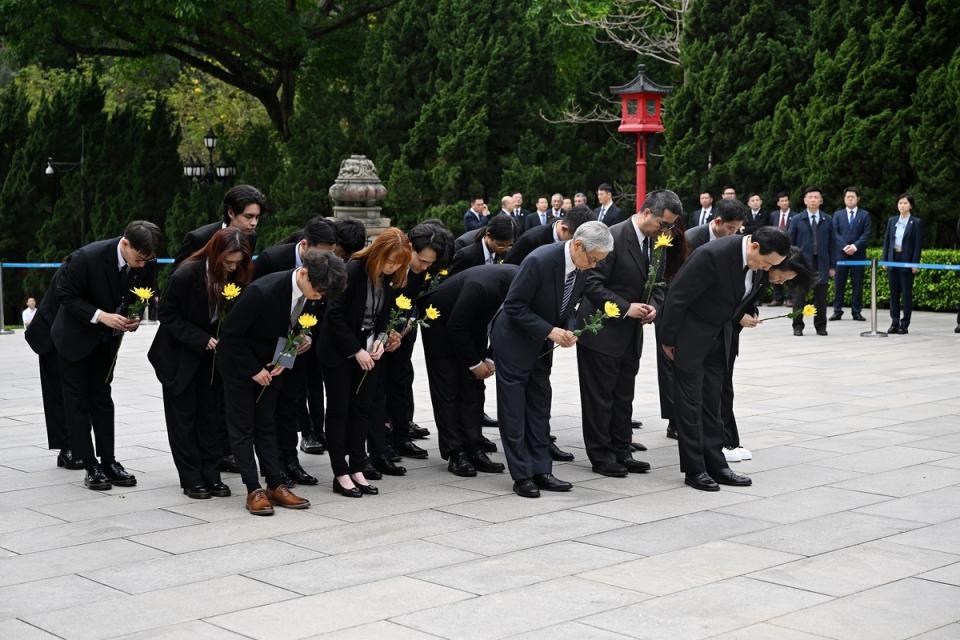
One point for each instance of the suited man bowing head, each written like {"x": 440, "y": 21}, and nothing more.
{"x": 708, "y": 293}
{"x": 608, "y": 361}
{"x": 264, "y": 314}
{"x": 538, "y": 312}
{"x": 243, "y": 205}
{"x": 557, "y": 231}
{"x": 319, "y": 233}
{"x": 728, "y": 219}
{"x": 490, "y": 245}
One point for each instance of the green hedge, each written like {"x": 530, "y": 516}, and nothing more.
{"x": 933, "y": 290}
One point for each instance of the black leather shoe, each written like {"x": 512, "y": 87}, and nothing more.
{"x": 118, "y": 476}
{"x": 730, "y": 477}
{"x": 482, "y": 463}
{"x": 310, "y": 445}
{"x": 417, "y": 432}
{"x": 197, "y": 492}
{"x": 859, "y": 317}
{"x": 701, "y": 481}
{"x": 487, "y": 421}
{"x": 836, "y": 316}
{"x": 408, "y": 449}
{"x": 370, "y": 472}
{"x": 387, "y": 467}
{"x": 671, "y": 430}
{"x": 229, "y": 464}
{"x": 637, "y": 446}
{"x": 903, "y": 331}
{"x": 957, "y": 330}
{"x": 391, "y": 453}
{"x": 66, "y": 460}
{"x": 96, "y": 479}
{"x": 347, "y": 493}
{"x": 366, "y": 489}
{"x": 286, "y": 480}
{"x": 526, "y": 488}
{"x": 610, "y": 469}
{"x": 821, "y": 332}
{"x": 636, "y": 424}
{"x": 219, "y": 490}
{"x": 547, "y": 482}
{"x": 798, "y": 332}
{"x": 635, "y": 466}
{"x": 558, "y": 454}
{"x": 894, "y": 329}
{"x": 300, "y": 475}
{"x": 489, "y": 446}
{"x": 460, "y": 465}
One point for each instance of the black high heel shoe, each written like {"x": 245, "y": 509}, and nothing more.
{"x": 347, "y": 493}
{"x": 367, "y": 489}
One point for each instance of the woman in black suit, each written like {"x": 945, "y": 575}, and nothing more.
{"x": 350, "y": 343}
{"x": 182, "y": 354}
{"x": 902, "y": 242}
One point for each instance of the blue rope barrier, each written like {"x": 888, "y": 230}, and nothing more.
{"x": 853, "y": 263}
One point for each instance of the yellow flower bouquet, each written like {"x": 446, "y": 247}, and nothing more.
{"x": 807, "y": 312}
{"x": 285, "y": 354}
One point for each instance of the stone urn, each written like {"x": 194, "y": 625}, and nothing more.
{"x": 356, "y": 193}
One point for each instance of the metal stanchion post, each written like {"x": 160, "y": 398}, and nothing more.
{"x": 3, "y": 324}
{"x": 873, "y": 333}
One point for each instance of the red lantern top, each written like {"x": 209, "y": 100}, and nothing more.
{"x": 640, "y": 107}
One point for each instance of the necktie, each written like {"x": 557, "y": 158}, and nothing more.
{"x": 704, "y": 219}
{"x": 297, "y": 309}
{"x": 783, "y": 220}
{"x": 813, "y": 226}
{"x": 646, "y": 248}
{"x": 567, "y": 293}
{"x": 124, "y": 284}
{"x": 543, "y": 218}
{"x": 603, "y": 211}
{"x": 850, "y": 217}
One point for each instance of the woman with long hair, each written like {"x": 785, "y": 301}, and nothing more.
{"x": 183, "y": 356}
{"x": 349, "y": 346}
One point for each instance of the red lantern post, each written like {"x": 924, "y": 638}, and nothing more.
{"x": 640, "y": 113}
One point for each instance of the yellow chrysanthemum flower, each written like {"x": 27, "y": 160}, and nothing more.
{"x": 663, "y": 240}
{"x": 611, "y": 309}
{"x": 230, "y": 291}
{"x": 809, "y": 310}
{"x": 307, "y": 320}
{"x": 444, "y": 273}
{"x": 403, "y": 302}
{"x": 144, "y": 293}
{"x": 432, "y": 313}
{"x": 427, "y": 278}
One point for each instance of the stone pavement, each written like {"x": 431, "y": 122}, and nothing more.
{"x": 851, "y": 529}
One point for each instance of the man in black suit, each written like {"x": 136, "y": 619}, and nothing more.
{"x": 754, "y": 218}
{"x": 608, "y": 361}
{"x": 266, "y": 312}
{"x": 320, "y": 235}
{"x": 708, "y": 292}
{"x": 558, "y": 231}
{"x": 94, "y": 290}
{"x": 608, "y": 213}
{"x": 556, "y": 205}
{"x": 727, "y": 219}
{"x": 490, "y": 248}
{"x": 704, "y": 213}
{"x": 518, "y": 212}
{"x": 458, "y": 361}
{"x": 477, "y": 215}
{"x": 38, "y": 337}
{"x": 851, "y": 226}
{"x": 780, "y": 218}
{"x": 539, "y": 310}
{"x": 243, "y": 206}
{"x": 351, "y": 236}
{"x": 812, "y": 231}
{"x": 540, "y": 217}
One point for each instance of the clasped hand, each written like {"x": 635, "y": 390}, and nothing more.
{"x": 118, "y": 322}
{"x": 645, "y": 313}
{"x": 562, "y": 337}
{"x": 264, "y": 377}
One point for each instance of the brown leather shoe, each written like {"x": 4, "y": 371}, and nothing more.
{"x": 283, "y": 497}
{"x": 258, "y": 504}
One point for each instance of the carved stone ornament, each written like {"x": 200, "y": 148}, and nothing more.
{"x": 357, "y": 183}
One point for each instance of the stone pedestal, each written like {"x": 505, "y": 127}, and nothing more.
{"x": 356, "y": 193}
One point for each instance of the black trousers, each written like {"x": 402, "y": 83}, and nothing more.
{"x": 819, "y": 301}
{"x": 87, "y": 400}
{"x": 731, "y": 435}
{"x": 840, "y": 285}
{"x": 53, "y": 412}
{"x": 193, "y": 427}
{"x": 457, "y": 399}
{"x": 293, "y": 397}
{"x": 524, "y": 397}
{"x": 392, "y": 398}
{"x": 606, "y": 398}
{"x": 310, "y": 414}
{"x": 251, "y": 427}
{"x": 664, "y": 379}
{"x": 901, "y": 293}
{"x": 348, "y": 414}
{"x": 696, "y": 413}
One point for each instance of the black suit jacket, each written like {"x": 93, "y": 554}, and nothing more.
{"x": 801, "y": 235}
{"x": 341, "y": 335}
{"x": 532, "y": 219}
{"x": 469, "y": 256}
{"x": 90, "y": 280}
{"x": 702, "y": 300}
{"x": 532, "y": 307}
{"x": 751, "y": 223}
{"x": 697, "y": 236}
{"x": 470, "y": 221}
{"x": 530, "y": 240}
{"x": 199, "y": 237}
{"x": 467, "y": 302}
{"x": 185, "y": 327}
{"x": 620, "y": 278}
{"x": 466, "y": 238}
{"x": 612, "y": 217}
{"x": 912, "y": 240}
{"x": 259, "y": 318}
{"x": 773, "y": 219}
{"x": 279, "y": 257}
{"x": 693, "y": 220}
{"x": 38, "y": 333}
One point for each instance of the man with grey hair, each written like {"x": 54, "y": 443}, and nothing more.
{"x": 556, "y": 205}
{"x": 609, "y": 360}
{"x": 538, "y": 313}
{"x": 579, "y": 199}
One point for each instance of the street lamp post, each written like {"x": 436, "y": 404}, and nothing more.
{"x": 194, "y": 168}
{"x": 54, "y": 167}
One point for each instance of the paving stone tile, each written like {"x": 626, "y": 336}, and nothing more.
{"x": 904, "y": 482}
{"x": 935, "y": 506}
{"x": 19, "y": 630}
{"x": 773, "y": 482}
{"x": 339, "y": 609}
{"x": 19, "y": 600}
{"x": 948, "y": 575}
{"x": 861, "y": 440}
{"x": 939, "y": 537}
{"x": 74, "y": 560}
{"x": 39, "y": 496}
{"x": 705, "y": 611}
{"x": 380, "y": 630}
{"x": 569, "y": 631}
{"x": 764, "y": 631}
{"x": 114, "y": 504}
{"x": 399, "y": 502}
{"x": 883, "y": 459}
{"x": 666, "y": 504}
{"x": 802, "y": 505}
{"x": 20, "y": 519}
{"x": 512, "y": 507}
{"x": 194, "y": 630}
{"x": 508, "y": 613}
